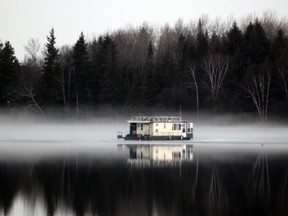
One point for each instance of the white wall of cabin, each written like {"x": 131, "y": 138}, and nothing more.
{"x": 164, "y": 129}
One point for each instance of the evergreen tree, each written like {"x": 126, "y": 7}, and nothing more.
{"x": 279, "y": 61}
{"x": 95, "y": 69}
{"x": 135, "y": 91}
{"x": 9, "y": 67}
{"x": 215, "y": 43}
{"x": 234, "y": 40}
{"x": 233, "y": 46}
{"x": 279, "y": 45}
{"x": 81, "y": 76}
{"x": 202, "y": 42}
{"x": 256, "y": 45}
{"x": 51, "y": 92}
{"x": 183, "y": 54}
{"x": 149, "y": 81}
{"x": 109, "y": 74}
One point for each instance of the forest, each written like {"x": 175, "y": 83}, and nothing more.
{"x": 205, "y": 66}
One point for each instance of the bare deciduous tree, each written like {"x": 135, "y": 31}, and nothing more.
{"x": 216, "y": 66}
{"x": 66, "y": 60}
{"x": 218, "y": 26}
{"x": 29, "y": 93}
{"x": 258, "y": 88}
{"x": 195, "y": 83}
{"x": 30, "y": 75}
{"x": 33, "y": 52}
{"x": 271, "y": 23}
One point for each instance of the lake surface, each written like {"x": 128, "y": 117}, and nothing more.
{"x": 228, "y": 182}
{"x": 73, "y": 170}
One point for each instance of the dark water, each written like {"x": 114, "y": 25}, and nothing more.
{"x": 242, "y": 184}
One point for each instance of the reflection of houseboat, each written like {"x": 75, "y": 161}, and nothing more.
{"x": 159, "y": 128}
{"x": 159, "y": 154}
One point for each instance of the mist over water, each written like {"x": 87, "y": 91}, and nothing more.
{"x": 38, "y": 137}
{"x": 70, "y": 167}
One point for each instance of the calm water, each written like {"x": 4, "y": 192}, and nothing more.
{"x": 223, "y": 179}
{"x": 76, "y": 169}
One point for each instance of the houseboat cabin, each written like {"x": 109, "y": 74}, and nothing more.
{"x": 159, "y": 128}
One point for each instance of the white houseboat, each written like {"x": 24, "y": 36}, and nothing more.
{"x": 159, "y": 154}
{"x": 159, "y": 128}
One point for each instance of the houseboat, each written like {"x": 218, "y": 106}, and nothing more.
{"x": 159, "y": 154}
{"x": 158, "y": 128}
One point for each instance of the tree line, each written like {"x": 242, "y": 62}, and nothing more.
{"x": 206, "y": 66}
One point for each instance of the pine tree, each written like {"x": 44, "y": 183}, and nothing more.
{"x": 9, "y": 67}
{"x": 135, "y": 91}
{"x": 215, "y": 43}
{"x": 256, "y": 45}
{"x": 233, "y": 47}
{"x": 202, "y": 43}
{"x": 234, "y": 40}
{"x": 149, "y": 81}
{"x": 51, "y": 92}
{"x": 279, "y": 59}
{"x": 81, "y": 76}
{"x": 109, "y": 74}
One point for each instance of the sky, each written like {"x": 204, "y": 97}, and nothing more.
{"x": 21, "y": 20}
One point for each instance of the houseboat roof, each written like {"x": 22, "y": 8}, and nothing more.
{"x": 150, "y": 119}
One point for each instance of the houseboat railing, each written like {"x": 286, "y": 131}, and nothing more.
{"x": 156, "y": 118}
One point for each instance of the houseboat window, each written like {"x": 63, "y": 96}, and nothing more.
{"x": 179, "y": 126}
{"x": 174, "y": 127}
{"x": 156, "y": 130}
{"x": 188, "y": 130}
{"x": 183, "y": 130}
{"x": 141, "y": 127}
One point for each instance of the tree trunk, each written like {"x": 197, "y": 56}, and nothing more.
{"x": 196, "y": 90}
{"x": 216, "y": 67}
{"x": 259, "y": 89}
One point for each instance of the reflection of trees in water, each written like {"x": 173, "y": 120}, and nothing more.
{"x": 217, "y": 201}
{"x": 100, "y": 188}
{"x": 267, "y": 190}
{"x": 259, "y": 190}
{"x": 9, "y": 185}
{"x": 284, "y": 194}
{"x": 260, "y": 178}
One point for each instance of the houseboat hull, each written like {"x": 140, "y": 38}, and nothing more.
{"x": 148, "y": 137}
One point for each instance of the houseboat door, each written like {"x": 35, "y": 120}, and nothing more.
{"x": 133, "y": 128}
{"x": 184, "y": 130}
